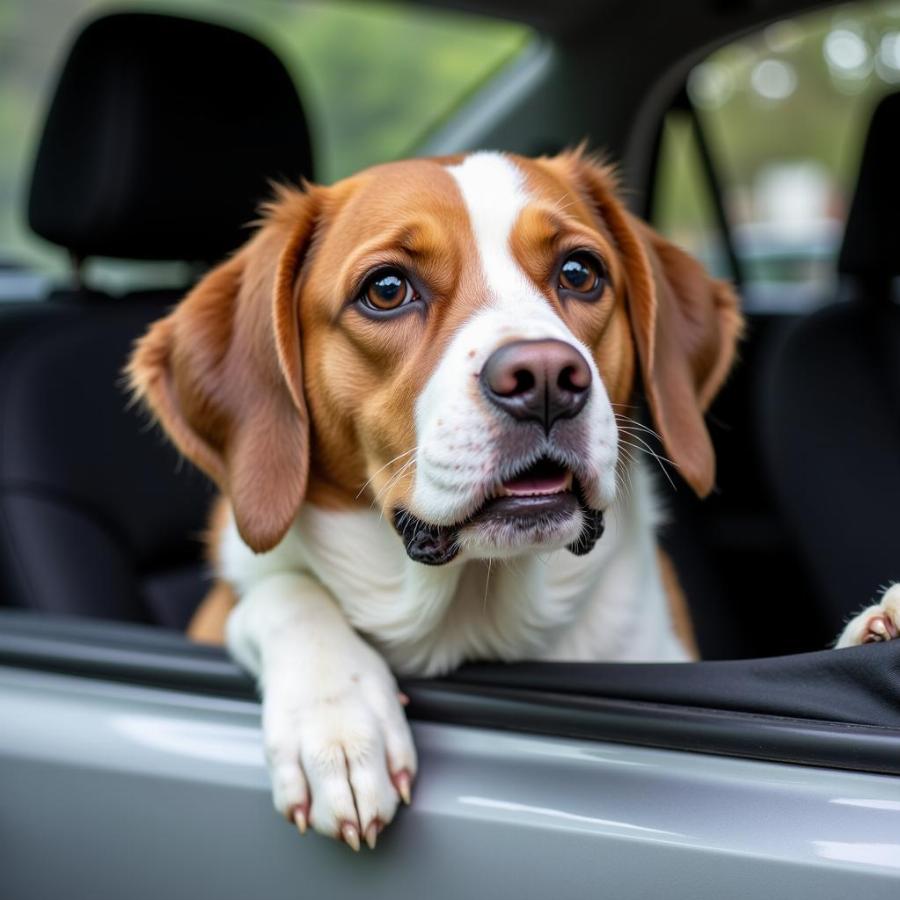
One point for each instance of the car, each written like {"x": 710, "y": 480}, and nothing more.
{"x": 131, "y": 759}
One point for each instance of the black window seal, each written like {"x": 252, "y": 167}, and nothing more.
{"x": 142, "y": 656}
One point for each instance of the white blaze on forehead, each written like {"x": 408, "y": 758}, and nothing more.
{"x": 461, "y": 450}
{"x": 493, "y": 189}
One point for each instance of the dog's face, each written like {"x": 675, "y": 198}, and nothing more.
{"x": 453, "y": 317}
{"x": 448, "y": 339}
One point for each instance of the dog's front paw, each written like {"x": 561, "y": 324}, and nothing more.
{"x": 880, "y": 622}
{"x": 340, "y": 752}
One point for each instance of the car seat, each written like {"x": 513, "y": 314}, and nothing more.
{"x": 161, "y": 140}
{"x": 830, "y": 401}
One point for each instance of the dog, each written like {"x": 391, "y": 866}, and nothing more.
{"x": 411, "y": 387}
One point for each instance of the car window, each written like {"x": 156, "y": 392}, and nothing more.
{"x": 683, "y": 202}
{"x": 784, "y": 112}
{"x": 375, "y": 78}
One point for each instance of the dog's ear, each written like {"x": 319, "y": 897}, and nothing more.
{"x": 222, "y": 374}
{"x": 686, "y": 326}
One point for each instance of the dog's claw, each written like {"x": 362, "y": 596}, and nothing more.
{"x": 403, "y": 785}
{"x": 372, "y": 835}
{"x": 350, "y": 834}
{"x": 300, "y": 819}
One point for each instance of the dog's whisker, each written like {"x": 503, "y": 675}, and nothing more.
{"x": 648, "y": 449}
{"x": 620, "y": 418}
{"x": 390, "y": 484}
{"x": 659, "y": 459}
{"x": 630, "y": 429}
{"x": 487, "y": 581}
{"x": 389, "y": 463}
{"x": 387, "y": 487}
{"x": 395, "y": 477}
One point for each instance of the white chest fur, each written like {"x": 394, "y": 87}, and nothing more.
{"x": 606, "y": 605}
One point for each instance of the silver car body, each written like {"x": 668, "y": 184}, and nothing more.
{"x": 126, "y": 791}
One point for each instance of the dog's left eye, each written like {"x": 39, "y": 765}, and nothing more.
{"x": 387, "y": 290}
{"x": 582, "y": 275}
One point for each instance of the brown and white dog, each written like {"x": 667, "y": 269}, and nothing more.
{"x": 409, "y": 387}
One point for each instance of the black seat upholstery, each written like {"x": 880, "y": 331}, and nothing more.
{"x": 831, "y": 401}
{"x": 160, "y": 142}
{"x": 162, "y": 138}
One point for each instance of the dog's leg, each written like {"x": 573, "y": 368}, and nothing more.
{"x": 207, "y": 625}
{"x": 880, "y": 622}
{"x": 339, "y": 749}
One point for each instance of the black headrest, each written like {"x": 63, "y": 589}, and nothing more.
{"x": 162, "y": 138}
{"x": 871, "y": 246}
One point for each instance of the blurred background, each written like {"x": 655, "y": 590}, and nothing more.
{"x": 375, "y": 79}
{"x": 784, "y": 113}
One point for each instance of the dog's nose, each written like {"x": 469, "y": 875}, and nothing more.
{"x": 542, "y": 381}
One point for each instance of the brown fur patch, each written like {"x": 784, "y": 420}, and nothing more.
{"x": 207, "y": 625}
{"x": 678, "y": 606}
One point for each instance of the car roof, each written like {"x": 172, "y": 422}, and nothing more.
{"x": 572, "y": 16}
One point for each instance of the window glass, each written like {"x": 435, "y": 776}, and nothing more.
{"x": 375, "y": 77}
{"x": 682, "y": 198}
{"x": 785, "y": 112}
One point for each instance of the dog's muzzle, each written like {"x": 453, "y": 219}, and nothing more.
{"x": 531, "y": 382}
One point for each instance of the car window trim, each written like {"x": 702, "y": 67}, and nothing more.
{"x": 681, "y": 103}
{"x": 122, "y": 654}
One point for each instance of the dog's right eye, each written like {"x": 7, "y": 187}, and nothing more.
{"x": 387, "y": 290}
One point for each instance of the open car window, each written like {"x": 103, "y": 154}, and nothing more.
{"x": 784, "y": 113}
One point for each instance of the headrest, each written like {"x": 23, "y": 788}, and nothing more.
{"x": 871, "y": 247}
{"x": 162, "y": 138}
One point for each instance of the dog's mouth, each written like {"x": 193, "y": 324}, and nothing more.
{"x": 544, "y": 478}
{"x": 545, "y": 487}
{"x": 536, "y": 502}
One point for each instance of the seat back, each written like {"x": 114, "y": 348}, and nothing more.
{"x": 160, "y": 142}
{"x": 830, "y": 405}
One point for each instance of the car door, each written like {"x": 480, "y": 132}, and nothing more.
{"x": 131, "y": 764}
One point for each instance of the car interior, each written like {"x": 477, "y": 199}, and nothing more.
{"x": 100, "y": 520}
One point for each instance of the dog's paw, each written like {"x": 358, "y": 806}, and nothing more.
{"x": 340, "y": 752}
{"x": 880, "y": 622}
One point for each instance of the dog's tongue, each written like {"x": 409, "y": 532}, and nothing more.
{"x": 544, "y": 477}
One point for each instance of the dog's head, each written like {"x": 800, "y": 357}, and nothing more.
{"x": 448, "y": 339}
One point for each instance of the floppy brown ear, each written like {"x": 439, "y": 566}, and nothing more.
{"x": 686, "y": 327}
{"x": 222, "y": 374}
